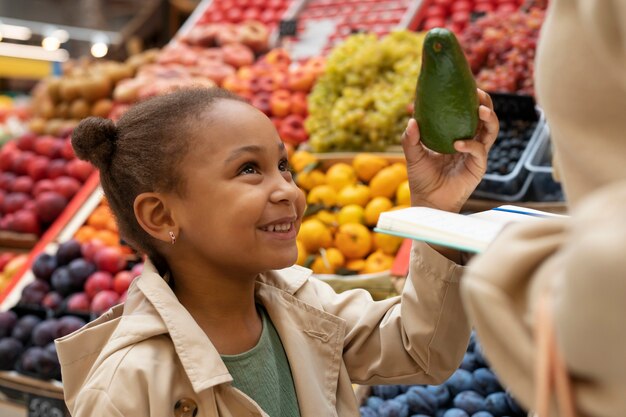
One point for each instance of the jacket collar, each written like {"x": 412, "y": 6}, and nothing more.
{"x": 291, "y": 317}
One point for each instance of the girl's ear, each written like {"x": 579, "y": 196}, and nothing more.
{"x": 154, "y": 216}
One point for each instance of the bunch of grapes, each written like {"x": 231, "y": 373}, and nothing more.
{"x": 361, "y": 103}
{"x": 500, "y": 48}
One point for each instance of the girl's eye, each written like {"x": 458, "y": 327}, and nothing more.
{"x": 283, "y": 165}
{"x": 248, "y": 168}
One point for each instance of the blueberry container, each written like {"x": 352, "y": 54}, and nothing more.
{"x": 521, "y": 126}
{"x": 543, "y": 187}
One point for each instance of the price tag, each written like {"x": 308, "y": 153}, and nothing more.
{"x": 46, "y": 407}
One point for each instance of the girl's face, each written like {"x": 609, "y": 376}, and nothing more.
{"x": 241, "y": 209}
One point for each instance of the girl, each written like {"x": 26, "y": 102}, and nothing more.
{"x": 220, "y": 323}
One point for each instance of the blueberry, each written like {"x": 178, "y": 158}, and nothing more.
{"x": 497, "y": 404}
{"x": 368, "y": 412}
{"x": 440, "y": 392}
{"x": 469, "y": 362}
{"x": 455, "y": 412}
{"x": 374, "y": 402}
{"x": 516, "y": 409}
{"x": 386, "y": 392}
{"x": 422, "y": 401}
{"x": 482, "y": 414}
{"x": 393, "y": 408}
{"x": 461, "y": 380}
{"x": 470, "y": 401}
{"x": 485, "y": 382}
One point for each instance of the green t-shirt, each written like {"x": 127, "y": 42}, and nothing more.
{"x": 264, "y": 375}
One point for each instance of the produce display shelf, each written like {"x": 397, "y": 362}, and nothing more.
{"x": 62, "y": 229}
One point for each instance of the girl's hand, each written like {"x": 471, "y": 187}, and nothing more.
{"x": 445, "y": 181}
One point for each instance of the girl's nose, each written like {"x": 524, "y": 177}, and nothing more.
{"x": 284, "y": 189}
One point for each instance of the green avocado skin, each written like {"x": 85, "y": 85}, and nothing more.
{"x": 446, "y": 102}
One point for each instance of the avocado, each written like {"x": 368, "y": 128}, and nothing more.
{"x": 446, "y": 101}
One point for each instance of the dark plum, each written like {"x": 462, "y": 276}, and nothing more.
{"x": 7, "y": 322}
{"x": 44, "y": 265}
{"x": 80, "y": 269}
{"x": 34, "y": 292}
{"x": 45, "y": 332}
{"x": 67, "y": 252}
{"x": 24, "y": 327}
{"x": 10, "y": 350}
{"x": 52, "y": 300}
{"x": 69, "y": 324}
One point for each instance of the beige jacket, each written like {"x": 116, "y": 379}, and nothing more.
{"x": 149, "y": 358}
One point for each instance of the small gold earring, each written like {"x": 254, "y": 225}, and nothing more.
{"x": 173, "y": 237}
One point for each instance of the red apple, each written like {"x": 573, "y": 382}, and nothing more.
{"x": 21, "y": 161}
{"x": 5, "y": 257}
{"x": 14, "y": 202}
{"x": 278, "y": 57}
{"x": 56, "y": 168}
{"x": 24, "y": 221}
{"x": 299, "y": 103}
{"x": 67, "y": 152}
{"x": 66, "y": 186}
{"x": 37, "y": 169}
{"x": 110, "y": 259}
{"x": 81, "y": 170}
{"x": 434, "y": 22}
{"x": 98, "y": 281}
{"x": 6, "y": 180}
{"x": 268, "y": 16}
{"x": 49, "y": 205}
{"x": 436, "y": 11}
{"x": 292, "y": 129}
{"x": 78, "y": 302}
{"x": 254, "y": 33}
{"x": 227, "y": 33}
{"x": 238, "y": 55}
{"x": 122, "y": 281}
{"x": 23, "y": 184}
{"x": 26, "y": 141}
{"x": 48, "y": 146}
{"x": 7, "y": 157}
{"x": 262, "y": 102}
{"x": 104, "y": 300}
{"x": 300, "y": 79}
{"x": 42, "y": 186}
{"x": 89, "y": 249}
{"x": 251, "y": 13}
{"x": 280, "y": 103}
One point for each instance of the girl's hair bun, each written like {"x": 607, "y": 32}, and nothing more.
{"x": 94, "y": 140}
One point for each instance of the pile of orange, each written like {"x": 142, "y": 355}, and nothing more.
{"x": 344, "y": 203}
{"x": 100, "y": 225}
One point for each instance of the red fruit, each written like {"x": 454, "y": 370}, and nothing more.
{"x": 37, "y": 169}
{"x": 81, "y": 170}
{"x": 66, "y": 186}
{"x": 49, "y": 206}
{"x": 109, "y": 259}
{"x": 251, "y": 13}
{"x": 56, "y": 168}
{"x": 103, "y": 301}
{"x": 98, "y": 281}
{"x": 21, "y": 161}
{"x": 89, "y": 249}
{"x": 254, "y": 33}
{"x": 268, "y": 16}
{"x": 434, "y": 22}
{"x": 228, "y": 34}
{"x": 507, "y": 7}
{"x": 461, "y": 5}
{"x": 52, "y": 300}
{"x": 43, "y": 186}
{"x": 234, "y": 15}
{"x": 67, "y": 151}
{"x": 292, "y": 129}
{"x": 6, "y": 180}
{"x": 122, "y": 281}
{"x": 48, "y": 146}
{"x": 23, "y": 184}
{"x": 262, "y": 102}
{"x": 137, "y": 269}
{"x": 237, "y": 55}
{"x": 7, "y": 157}
{"x": 301, "y": 79}
{"x": 436, "y": 11}
{"x": 280, "y": 103}
{"x": 78, "y": 302}
{"x": 26, "y": 141}
{"x": 24, "y": 221}
{"x": 298, "y": 103}
{"x": 5, "y": 258}
{"x": 14, "y": 202}
{"x": 123, "y": 297}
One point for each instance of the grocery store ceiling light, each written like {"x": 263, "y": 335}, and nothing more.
{"x": 33, "y": 52}
{"x": 73, "y": 32}
{"x": 99, "y": 45}
{"x": 19, "y": 33}
{"x": 50, "y": 43}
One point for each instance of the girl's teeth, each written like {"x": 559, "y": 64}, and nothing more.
{"x": 279, "y": 227}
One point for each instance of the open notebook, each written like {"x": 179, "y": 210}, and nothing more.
{"x": 471, "y": 233}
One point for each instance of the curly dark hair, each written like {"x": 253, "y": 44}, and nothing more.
{"x": 142, "y": 153}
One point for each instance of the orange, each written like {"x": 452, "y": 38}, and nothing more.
{"x": 386, "y": 243}
{"x": 314, "y": 235}
{"x": 356, "y": 264}
{"x": 340, "y": 175}
{"x": 352, "y": 213}
{"x": 85, "y": 233}
{"x": 385, "y": 183}
{"x": 108, "y": 237}
{"x": 327, "y": 261}
{"x": 374, "y": 208}
{"x": 367, "y": 165}
{"x": 377, "y": 262}
{"x": 99, "y": 218}
{"x": 403, "y": 194}
{"x": 353, "y": 240}
{"x": 301, "y": 159}
{"x": 308, "y": 180}
{"x": 358, "y": 194}
{"x": 322, "y": 194}
{"x": 302, "y": 255}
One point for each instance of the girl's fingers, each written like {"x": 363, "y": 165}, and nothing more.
{"x": 413, "y": 149}
{"x": 475, "y": 149}
{"x": 490, "y": 126}
{"x": 485, "y": 99}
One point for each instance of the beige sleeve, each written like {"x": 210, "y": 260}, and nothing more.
{"x": 419, "y": 337}
{"x": 94, "y": 403}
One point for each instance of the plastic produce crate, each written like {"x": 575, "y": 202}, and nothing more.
{"x": 313, "y": 27}
{"x": 522, "y": 125}
{"x": 543, "y": 187}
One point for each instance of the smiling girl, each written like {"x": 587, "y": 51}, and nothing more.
{"x": 220, "y": 323}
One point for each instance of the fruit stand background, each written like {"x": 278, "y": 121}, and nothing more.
{"x": 337, "y": 78}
